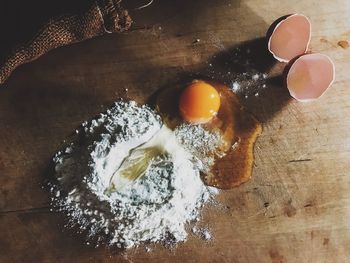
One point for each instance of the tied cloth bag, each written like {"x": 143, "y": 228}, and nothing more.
{"x": 30, "y": 29}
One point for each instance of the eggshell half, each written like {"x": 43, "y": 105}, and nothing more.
{"x": 290, "y": 37}
{"x": 310, "y": 76}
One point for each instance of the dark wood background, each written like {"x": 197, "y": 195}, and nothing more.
{"x": 296, "y": 208}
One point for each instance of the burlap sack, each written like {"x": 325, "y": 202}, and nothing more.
{"x": 77, "y": 21}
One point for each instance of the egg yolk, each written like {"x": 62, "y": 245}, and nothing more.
{"x": 199, "y": 102}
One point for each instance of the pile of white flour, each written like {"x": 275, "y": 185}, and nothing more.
{"x": 154, "y": 208}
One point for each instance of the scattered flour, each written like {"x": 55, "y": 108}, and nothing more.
{"x": 238, "y": 68}
{"x": 235, "y": 86}
{"x": 255, "y": 77}
{"x": 155, "y": 208}
{"x": 200, "y": 143}
{"x": 248, "y": 84}
{"x": 202, "y": 233}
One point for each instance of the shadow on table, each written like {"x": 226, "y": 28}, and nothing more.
{"x": 246, "y": 65}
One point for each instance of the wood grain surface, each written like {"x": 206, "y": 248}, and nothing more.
{"x": 296, "y": 208}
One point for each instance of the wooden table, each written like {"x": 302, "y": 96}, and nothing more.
{"x": 296, "y": 208}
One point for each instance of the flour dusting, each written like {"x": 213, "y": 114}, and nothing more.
{"x": 240, "y": 69}
{"x": 200, "y": 143}
{"x": 155, "y": 208}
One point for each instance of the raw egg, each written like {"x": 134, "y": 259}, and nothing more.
{"x": 310, "y": 76}
{"x": 290, "y": 37}
{"x": 199, "y": 102}
{"x": 238, "y": 129}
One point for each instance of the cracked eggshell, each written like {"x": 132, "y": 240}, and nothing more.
{"x": 290, "y": 37}
{"x": 310, "y": 76}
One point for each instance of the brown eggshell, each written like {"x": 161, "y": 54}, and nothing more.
{"x": 310, "y": 76}
{"x": 290, "y": 37}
